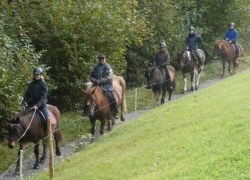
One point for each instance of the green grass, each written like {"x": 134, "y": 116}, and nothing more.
{"x": 74, "y": 126}
{"x": 203, "y": 135}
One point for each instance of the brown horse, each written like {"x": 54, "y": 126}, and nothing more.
{"x": 98, "y": 105}
{"x": 226, "y": 52}
{"x": 189, "y": 66}
{"x": 27, "y": 127}
{"x": 160, "y": 84}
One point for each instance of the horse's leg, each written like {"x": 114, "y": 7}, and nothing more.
{"x": 164, "y": 91}
{"x": 92, "y": 131}
{"x": 223, "y": 67}
{"x": 185, "y": 84}
{"x": 229, "y": 67}
{"x": 21, "y": 147}
{"x": 156, "y": 97}
{"x": 110, "y": 124}
{"x": 103, "y": 125}
{"x": 123, "y": 109}
{"x": 235, "y": 65}
{"x": 44, "y": 155}
{"x": 56, "y": 135}
{"x": 170, "y": 94}
{"x": 36, "y": 151}
{"x": 198, "y": 80}
{"x": 192, "y": 80}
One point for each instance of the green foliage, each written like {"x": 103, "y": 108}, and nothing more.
{"x": 169, "y": 20}
{"x": 73, "y": 33}
{"x": 17, "y": 60}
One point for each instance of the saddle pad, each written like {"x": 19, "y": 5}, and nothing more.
{"x": 42, "y": 119}
{"x": 52, "y": 118}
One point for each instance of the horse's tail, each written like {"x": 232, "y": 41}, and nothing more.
{"x": 242, "y": 50}
{"x": 55, "y": 111}
{"x": 124, "y": 104}
{"x": 59, "y": 135}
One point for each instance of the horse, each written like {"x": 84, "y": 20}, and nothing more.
{"x": 27, "y": 127}
{"x": 226, "y": 52}
{"x": 160, "y": 85}
{"x": 98, "y": 107}
{"x": 189, "y": 66}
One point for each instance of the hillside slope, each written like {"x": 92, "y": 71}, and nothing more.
{"x": 202, "y": 135}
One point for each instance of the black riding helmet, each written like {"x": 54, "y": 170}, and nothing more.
{"x": 191, "y": 28}
{"x": 38, "y": 71}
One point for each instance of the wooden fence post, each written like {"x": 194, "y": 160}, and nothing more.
{"x": 21, "y": 165}
{"x": 51, "y": 151}
{"x": 136, "y": 94}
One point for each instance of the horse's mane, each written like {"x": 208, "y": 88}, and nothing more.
{"x": 95, "y": 91}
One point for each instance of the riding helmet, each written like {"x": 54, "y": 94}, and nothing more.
{"x": 191, "y": 28}
{"x": 38, "y": 71}
{"x": 101, "y": 56}
{"x": 231, "y": 24}
{"x": 163, "y": 45}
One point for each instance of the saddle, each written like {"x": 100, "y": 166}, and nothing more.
{"x": 41, "y": 118}
{"x": 43, "y": 121}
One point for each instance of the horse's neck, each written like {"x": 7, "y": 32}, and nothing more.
{"x": 99, "y": 95}
{"x": 25, "y": 118}
{"x": 159, "y": 75}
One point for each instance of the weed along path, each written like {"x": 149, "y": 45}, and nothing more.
{"x": 79, "y": 144}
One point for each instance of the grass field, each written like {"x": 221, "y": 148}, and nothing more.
{"x": 203, "y": 135}
{"x": 73, "y": 125}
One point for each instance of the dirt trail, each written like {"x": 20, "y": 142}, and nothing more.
{"x": 69, "y": 149}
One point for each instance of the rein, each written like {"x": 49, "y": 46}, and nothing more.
{"x": 28, "y": 126}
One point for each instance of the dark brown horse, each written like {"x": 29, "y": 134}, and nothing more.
{"x": 226, "y": 52}
{"x": 189, "y": 66}
{"x": 98, "y": 104}
{"x": 160, "y": 84}
{"x": 27, "y": 127}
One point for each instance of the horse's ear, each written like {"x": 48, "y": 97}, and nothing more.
{"x": 93, "y": 91}
{"x": 84, "y": 91}
{"x": 16, "y": 120}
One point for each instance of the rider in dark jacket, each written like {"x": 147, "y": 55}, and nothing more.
{"x": 162, "y": 60}
{"x": 192, "y": 42}
{"x": 231, "y": 36}
{"x": 36, "y": 94}
{"x": 101, "y": 75}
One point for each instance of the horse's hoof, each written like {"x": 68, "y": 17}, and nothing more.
{"x": 42, "y": 160}
{"x": 192, "y": 89}
{"x": 17, "y": 170}
{"x": 162, "y": 101}
{"x": 196, "y": 88}
{"x": 58, "y": 153}
{"x": 171, "y": 88}
{"x": 184, "y": 91}
{"x": 122, "y": 119}
{"x": 36, "y": 166}
{"x": 92, "y": 139}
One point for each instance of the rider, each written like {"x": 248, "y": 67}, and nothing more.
{"x": 162, "y": 60}
{"x": 191, "y": 44}
{"x": 36, "y": 94}
{"x": 231, "y": 36}
{"x": 101, "y": 75}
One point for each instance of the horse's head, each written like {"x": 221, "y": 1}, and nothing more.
{"x": 15, "y": 131}
{"x": 183, "y": 58}
{"x": 218, "y": 48}
{"x": 16, "y": 128}
{"x": 90, "y": 102}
